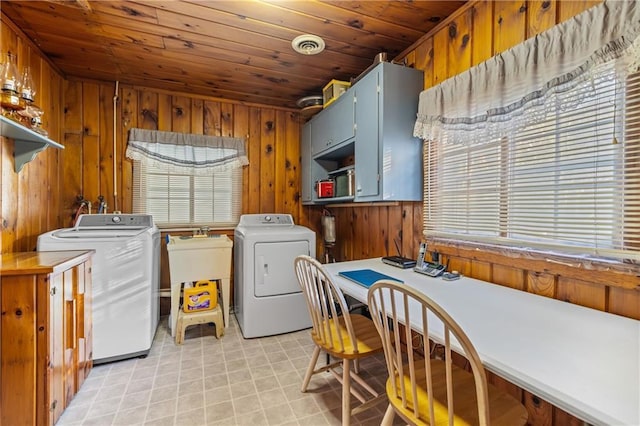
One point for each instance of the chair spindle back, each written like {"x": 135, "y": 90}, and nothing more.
{"x": 327, "y": 305}
{"x": 397, "y": 312}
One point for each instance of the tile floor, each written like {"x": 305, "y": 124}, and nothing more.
{"x": 231, "y": 381}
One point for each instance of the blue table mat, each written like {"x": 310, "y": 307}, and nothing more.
{"x": 366, "y": 277}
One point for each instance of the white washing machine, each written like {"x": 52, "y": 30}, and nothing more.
{"x": 125, "y": 279}
{"x": 267, "y": 297}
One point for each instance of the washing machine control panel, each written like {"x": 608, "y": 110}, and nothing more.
{"x": 265, "y": 219}
{"x": 121, "y": 220}
{"x": 278, "y": 219}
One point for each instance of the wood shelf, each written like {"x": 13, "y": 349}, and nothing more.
{"x": 329, "y": 200}
{"x": 27, "y": 142}
{"x": 341, "y": 170}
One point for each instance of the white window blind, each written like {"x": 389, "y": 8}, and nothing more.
{"x": 557, "y": 169}
{"x": 187, "y": 179}
{"x": 567, "y": 183}
{"x": 188, "y": 199}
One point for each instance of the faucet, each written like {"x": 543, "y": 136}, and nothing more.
{"x": 102, "y": 206}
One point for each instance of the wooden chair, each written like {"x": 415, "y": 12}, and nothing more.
{"x": 347, "y": 337}
{"x": 423, "y": 390}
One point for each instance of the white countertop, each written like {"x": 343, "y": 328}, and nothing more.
{"x": 584, "y": 361}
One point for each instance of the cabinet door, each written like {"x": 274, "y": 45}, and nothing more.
{"x": 342, "y": 118}
{"x": 305, "y": 159}
{"x": 367, "y": 143}
{"x": 55, "y": 404}
{"x": 84, "y": 325}
{"x": 334, "y": 125}
{"x": 70, "y": 337}
{"x": 19, "y": 393}
{"x": 320, "y": 133}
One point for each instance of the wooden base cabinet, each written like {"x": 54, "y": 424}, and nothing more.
{"x": 45, "y": 333}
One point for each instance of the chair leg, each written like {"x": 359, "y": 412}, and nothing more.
{"x": 346, "y": 392}
{"x": 311, "y": 368}
{"x": 387, "y": 420}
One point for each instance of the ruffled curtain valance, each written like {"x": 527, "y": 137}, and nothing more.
{"x": 186, "y": 153}
{"x": 553, "y": 70}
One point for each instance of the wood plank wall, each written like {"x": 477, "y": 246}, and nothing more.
{"x": 270, "y": 182}
{"x": 29, "y": 201}
{"x": 80, "y": 115}
{"x": 272, "y": 135}
{"x": 473, "y": 34}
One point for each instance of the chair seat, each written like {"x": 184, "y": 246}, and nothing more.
{"x": 504, "y": 409}
{"x": 341, "y": 334}
{"x": 368, "y": 341}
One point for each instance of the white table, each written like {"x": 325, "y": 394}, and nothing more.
{"x": 194, "y": 259}
{"x": 584, "y": 361}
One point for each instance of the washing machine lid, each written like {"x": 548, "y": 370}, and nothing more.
{"x": 107, "y": 226}
{"x": 97, "y": 233}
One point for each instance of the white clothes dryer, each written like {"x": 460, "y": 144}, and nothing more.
{"x": 267, "y": 297}
{"x": 125, "y": 279}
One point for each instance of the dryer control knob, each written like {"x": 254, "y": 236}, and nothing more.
{"x": 116, "y": 219}
{"x": 267, "y": 218}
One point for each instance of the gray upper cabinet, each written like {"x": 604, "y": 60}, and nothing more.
{"x": 388, "y": 159}
{"x": 305, "y": 156}
{"x": 368, "y": 129}
{"x": 367, "y": 147}
{"x": 333, "y": 126}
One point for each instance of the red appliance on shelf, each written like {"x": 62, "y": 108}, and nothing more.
{"x": 325, "y": 188}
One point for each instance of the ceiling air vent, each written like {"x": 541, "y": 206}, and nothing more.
{"x": 308, "y": 101}
{"x": 308, "y": 44}
{"x": 310, "y": 106}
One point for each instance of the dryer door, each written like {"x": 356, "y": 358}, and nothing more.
{"x": 274, "y": 273}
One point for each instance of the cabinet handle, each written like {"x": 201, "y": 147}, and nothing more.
{"x": 80, "y": 318}
{"x": 52, "y": 291}
{"x": 75, "y": 324}
{"x": 72, "y": 325}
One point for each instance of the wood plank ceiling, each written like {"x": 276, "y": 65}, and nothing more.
{"x": 237, "y": 50}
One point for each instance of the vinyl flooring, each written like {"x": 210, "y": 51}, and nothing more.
{"x": 231, "y": 381}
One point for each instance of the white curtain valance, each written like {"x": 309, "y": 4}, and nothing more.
{"x": 519, "y": 86}
{"x": 186, "y": 153}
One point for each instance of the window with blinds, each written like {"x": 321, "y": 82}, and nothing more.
{"x": 569, "y": 182}
{"x": 176, "y": 199}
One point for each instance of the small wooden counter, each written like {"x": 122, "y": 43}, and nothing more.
{"x": 45, "y": 333}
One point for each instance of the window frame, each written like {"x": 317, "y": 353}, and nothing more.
{"x": 141, "y": 198}
{"x": 433, "y": 179}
